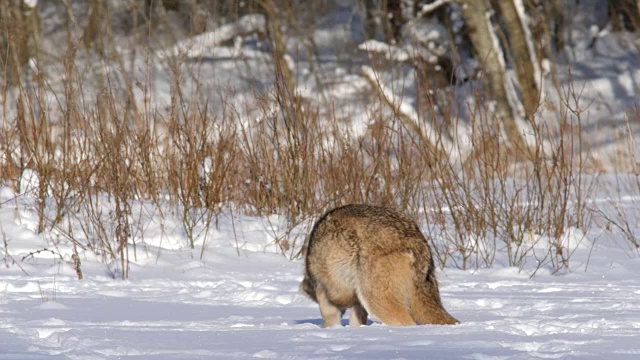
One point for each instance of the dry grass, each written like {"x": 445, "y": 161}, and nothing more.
{"x": 107, "y": 160}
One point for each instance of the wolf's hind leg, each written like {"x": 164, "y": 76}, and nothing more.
{"x": 358, "y": 315}
{"x": 331, "y": 314}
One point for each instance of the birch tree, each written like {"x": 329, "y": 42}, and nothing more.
{"x": 476, "y": 15}
{"x": 523, "y": 53}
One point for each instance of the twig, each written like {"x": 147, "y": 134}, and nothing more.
{"x": 6, "y": 251}
{"x": 33, "y": 253}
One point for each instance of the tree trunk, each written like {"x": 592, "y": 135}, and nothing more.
{"x": 93, "y": 32}
{"x": 19, "y": 34}
{"x": 624, "y": 14}
{"x": 19, "y": 41}
{"x": 370, "y": 19}
{"x": 192, "y": 13}
{"x": 555, "y": 10}
{"x": 489, "y": 54}
{"x": 524, "y": 57}
{"x": 274, "y": 33}
{"x": 394, "y": 19}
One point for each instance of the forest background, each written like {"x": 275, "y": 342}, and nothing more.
{"x": 493, "y": 123}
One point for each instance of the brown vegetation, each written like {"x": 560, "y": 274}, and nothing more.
{"x": 294, "y": 156}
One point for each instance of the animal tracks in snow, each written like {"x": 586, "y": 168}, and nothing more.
{"x": 255, "y": 313}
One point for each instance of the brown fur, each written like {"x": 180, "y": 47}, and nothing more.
{"x": 375, "y": 261}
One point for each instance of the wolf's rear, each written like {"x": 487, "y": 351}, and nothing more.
{"x": 375, "y": 261}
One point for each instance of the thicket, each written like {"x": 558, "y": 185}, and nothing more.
{"x": 105, "y": 161}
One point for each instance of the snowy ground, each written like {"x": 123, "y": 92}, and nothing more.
{"x": 175, "y": 306}
{"x": 251, "y": 307}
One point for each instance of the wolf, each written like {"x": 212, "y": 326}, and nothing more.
{"x": 373, "y": 260}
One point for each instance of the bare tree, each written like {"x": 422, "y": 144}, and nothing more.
{"x": 394, "y": 18}
{"x": 274, "y": 32}
{"x": 524, "y": 59}
{"x": 393, "y": 15}
{"x": 19, "y": 41}
{"x": 370, "y": 21}
{"x": 19, "y": 34}
{"x": 192, "y": 14}
{"x": 95, "y": 26}
{"x": 553, "y": 11}
{"x": 489, "y": 54}
{"x": 624, "y": 14}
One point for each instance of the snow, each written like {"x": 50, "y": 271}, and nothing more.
{"x": 428, "y": 8}
{"x": 390, "y": 52}
{"x": 30, "y": 3}
{"x": 241, "y": 300}
{"x": 198, "y": 45}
